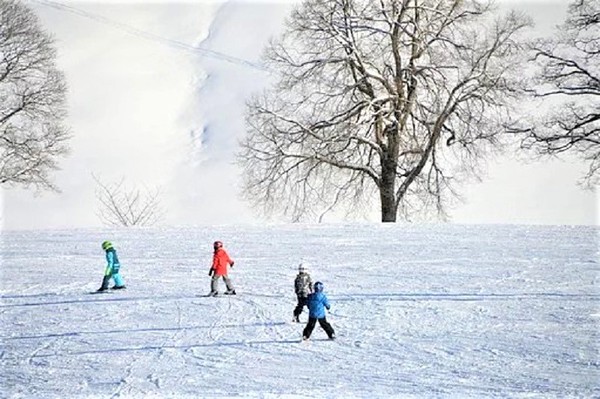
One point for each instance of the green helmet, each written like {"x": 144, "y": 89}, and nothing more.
{"x": 106, "y": 245}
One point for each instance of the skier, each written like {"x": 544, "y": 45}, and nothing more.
{"x": 219, "y": 269}
{"x": 112, "y": 268}
{"x": 317, "y": 302}
{"x": 302, "y": 287}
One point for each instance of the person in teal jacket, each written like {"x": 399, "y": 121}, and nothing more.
{"x": 317, "y": 303}
{"x": 112, "y": 268}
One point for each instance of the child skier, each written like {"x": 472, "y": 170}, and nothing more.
{"x": 112, "y": 268}
{"x": 302, "y": 287}
{"x": 219, "y": 269}
{"x": 317, "y": 302}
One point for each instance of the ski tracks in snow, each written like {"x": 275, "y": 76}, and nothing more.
{"x": 516, "y": 318}
{"x": 130, "y": 383}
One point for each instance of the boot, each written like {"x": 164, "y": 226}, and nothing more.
{"x": 230, "y": 292}
{"x": 104, "y": 285}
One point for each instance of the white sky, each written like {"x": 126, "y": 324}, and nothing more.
{"x": 142, "y": 110}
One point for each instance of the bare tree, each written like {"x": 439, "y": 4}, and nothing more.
{"x": 390, "y": 99}
{"x": 125, "y": 206}
{"x": 32, "y": 100}
{"x": 568, "y": 81}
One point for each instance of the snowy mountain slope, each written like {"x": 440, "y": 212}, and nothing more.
{"x": 156, "y": 96}
{"x": 127, "y": 96}
{"x": 420, "y": 312}
{"x": 208, "y": 178}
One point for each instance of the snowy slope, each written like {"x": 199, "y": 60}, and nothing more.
{"x": 127, "y": 96}
{"x": 420, "y": 312}
{"x": 157, "y": 95}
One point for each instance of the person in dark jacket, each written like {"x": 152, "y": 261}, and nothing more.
{"x": 302, "y": 288}
{"x": 112, "y": 268}
{"x": 317, "y": 303}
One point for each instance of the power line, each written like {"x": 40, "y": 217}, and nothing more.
{"x": 150, "y": 36}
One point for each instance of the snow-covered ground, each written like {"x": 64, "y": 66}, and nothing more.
{"x": 429, "y": 311}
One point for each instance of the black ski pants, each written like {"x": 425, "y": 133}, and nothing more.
{"x": 310, "y": 326}
{"x": 300, "y": 306}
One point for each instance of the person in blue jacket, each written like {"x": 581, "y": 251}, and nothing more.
{"x": 317, "y": 303}
{"x": 112, "y": 268}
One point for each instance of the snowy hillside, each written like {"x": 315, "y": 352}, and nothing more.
{"x": 420, "y": 312}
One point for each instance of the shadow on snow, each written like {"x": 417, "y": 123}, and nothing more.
{"x": 114, "y": 297}
{"x": 161, "y": 347}
{"x": 136, "y": 330}
{"x": 464, "y": 297}
{"x": 338, "y": 298}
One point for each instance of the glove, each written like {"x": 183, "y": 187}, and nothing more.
{"x": 211, "y": 271}
{"x": 231, "y": 264}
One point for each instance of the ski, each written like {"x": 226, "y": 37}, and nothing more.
{"x": 218, "y": 295}
{"x": 309, "y": 340}
{"x": 108, "y": 291}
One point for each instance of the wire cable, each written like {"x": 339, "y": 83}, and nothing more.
{"x": 150, "y": 36}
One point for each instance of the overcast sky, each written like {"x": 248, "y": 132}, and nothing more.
{"x": 158, "y": 115}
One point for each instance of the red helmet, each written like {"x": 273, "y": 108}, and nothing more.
{"x": 217, "y": 245}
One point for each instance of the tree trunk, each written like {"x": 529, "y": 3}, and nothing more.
{"x": 387, "y": 190}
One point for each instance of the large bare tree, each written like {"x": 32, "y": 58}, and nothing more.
{"x": 383, "y": 99}
{"x": 32, "y": 100}
{"x": 567, "y": 81}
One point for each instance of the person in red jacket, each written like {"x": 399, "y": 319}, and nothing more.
{"x": 219, "y": 269}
